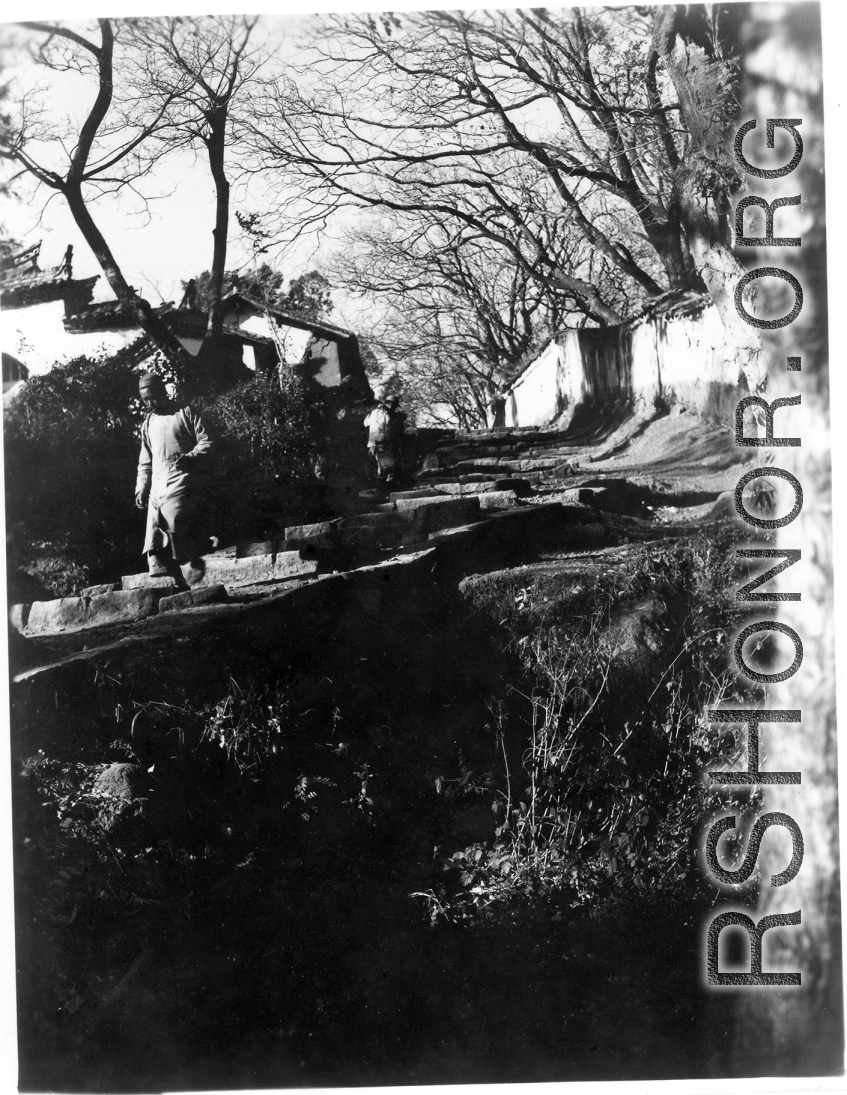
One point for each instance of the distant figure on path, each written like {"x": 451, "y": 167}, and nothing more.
{"x": 384, "y": 429}
{"x": 173, "y": 441}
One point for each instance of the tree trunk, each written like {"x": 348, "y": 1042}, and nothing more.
{"x": 157, "y": 331}
{"x": 216, "y": 145}
{"x": 706, "y": 87}
{"x": 672, "y": 248}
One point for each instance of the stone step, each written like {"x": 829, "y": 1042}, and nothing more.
{"x": 459, "y": 490}
{"x": 444, "y": 475}
{"x": 552, "y": 467}
{"x": 484, "y": 464}
{"x": 104, "y": 587}
{"x": 521, "y": 487}
{"x": 498, "y": 499}
{"x": 443, "y": 478}
{"x": 310, "y": 532}
{"x": 255, "y": 569}
{"x": 194, "y": 598}
{"x": 407, "y": 505}
{"x": 421, "y": 492}
{"x": 392, "y": 525}
{"x": 74, "y": 613}
{"x": 414, "y": 517}
{"x": 148, "y": 581}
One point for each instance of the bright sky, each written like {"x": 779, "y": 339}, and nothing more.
{"x": 167, "y": 240}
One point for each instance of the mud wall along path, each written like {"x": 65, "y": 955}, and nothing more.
{"x": 675, "y": 353}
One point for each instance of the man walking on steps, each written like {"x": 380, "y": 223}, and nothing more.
{"x": 174, "y": 442}
{"x": 384, "y": 430}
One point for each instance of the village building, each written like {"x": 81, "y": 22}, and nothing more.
{"x": 49, "y": 318}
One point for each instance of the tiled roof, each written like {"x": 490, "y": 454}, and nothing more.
{"x": 108, "y": 315}
{"x": 289, "y": 319}
{"x": 114, "y": 315}
{"x": 23, "y": 284}
{"x": 19, "y": 263}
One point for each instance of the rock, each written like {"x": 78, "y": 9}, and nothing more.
{"x": 58, "y": 615}
{"x": 147, "y": 581}
{"x": 120, "y": 781}
{"x": 636, "y": 639}
{"x": 194, "y": 598}
{"x": 120, "y": 794}
{"x": 104, "y": 587}
{"x": 431, "y": 462}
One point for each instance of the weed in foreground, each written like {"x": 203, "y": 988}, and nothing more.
{"x": 608, "y": 800}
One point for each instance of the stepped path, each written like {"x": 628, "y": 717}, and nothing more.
{"x": 477, "y": 499}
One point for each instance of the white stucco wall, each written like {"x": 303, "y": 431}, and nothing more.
{"x": 36, "y": 337}
{"x": 293, "y": 340}
{"x": 667, "y": 359}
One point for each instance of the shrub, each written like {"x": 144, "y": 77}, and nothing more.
{"x": 70, "y": 449}
{"x": 266, "y": 452}
{"x": 71, "y": 446}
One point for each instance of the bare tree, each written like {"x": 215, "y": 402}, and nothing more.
{"x": 453, "y": 317}
{"x": 171, "y": 86}
{"x": 104, "y": 157}
{"x": 497, "y": 123}
{"x": 193, "y": 71}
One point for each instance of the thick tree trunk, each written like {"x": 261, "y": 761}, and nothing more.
{"x": 672, "y": 248}
{"x": 707, "y": 179}
{"x": 157, "y": 331}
